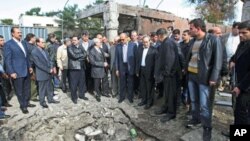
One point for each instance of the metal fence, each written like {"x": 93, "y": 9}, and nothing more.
{"x": 38, "y": 31}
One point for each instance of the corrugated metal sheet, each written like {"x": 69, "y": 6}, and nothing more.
{"x": 38, "y": 31}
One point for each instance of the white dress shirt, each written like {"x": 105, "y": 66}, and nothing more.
{"x": 85, "y": 45}
{"x": 125, "y": 53}
{"x": 231, "y": 45}
{"x": 20, "y": 45}
{"x": 144, "y": 54}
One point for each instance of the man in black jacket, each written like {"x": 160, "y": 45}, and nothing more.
{"x": 167, "y": 67}
{"x": 145, "y": 66}
{"x": 204, "y": 67}
{"x": 76, "y": 66}
{"x": 242, "y": 69}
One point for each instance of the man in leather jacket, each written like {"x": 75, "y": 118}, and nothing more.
{"x": 203, "y": 67}
{"x": 76, "y": 66}
{"x": 240, "y": 61}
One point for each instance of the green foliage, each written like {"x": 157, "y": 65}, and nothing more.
{"x": 215, "y": 11}
{"x": 99, "y": 1}
{"x": 52, "y": 13}
{"x": 34, "y": 11}
{"x": 7, "y": 21}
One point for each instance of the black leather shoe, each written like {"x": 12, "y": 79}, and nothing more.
{"x": 167, "y": 118}
{"x": 84, "y": 98}
{"x": 120, "y": 100}
{"x": 25, "y": 110}
{"x": 74, "y": 101}
{"x": 45, "y": 106}
{"x": 106, "y": 95}
{"x": 7, "y": 105}
{"x": 55, "y": 102}
{"x": 131, "y": 101}
{"x": 148, "y": 106}
{"x": 141, "y": 104}
{"x": 161, "y": 111}
{"x": 98, "y": 98}
{"x": 31, "y": 105}
{"x": 5, "y": 117}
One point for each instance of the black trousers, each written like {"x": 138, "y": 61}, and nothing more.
{"x": 170, "y": 95}
{"x": 77, "y": 81}
{"x": 45, "y": 89}
{"x": 89, "y": 79}
{"x": 146, "y": 85}
{"x": 64, "y": 79}
{"x": 105, "y": 83}
{"x": 97, "y": 84}
{"x": 242, "y": 109}
{"x": 7, "y": 88}
{"x": 22, "y": 89}
{"x": 126, "y": 83}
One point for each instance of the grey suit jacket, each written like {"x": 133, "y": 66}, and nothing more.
{"x": 97, "y": 63}
{"x": 224, "y": 38}
{"x": 112, "y": 56}
{"x": 42, "y": 65}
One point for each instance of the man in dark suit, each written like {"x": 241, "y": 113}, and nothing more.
{"x": 44, "y": 69}
{"x": 114, "y": 78}
{"x": 240, "y": 60}
{"x": 125, "y": 66}
{"x": 134, "y": 39}
{"x": 98, "y": 62}
{"x": 145, "y": 69}
{"x": 18, "y": 67}
{"x": 77, "y": 56}
{"x": 87, "y": 44}
{"x": 166, "y": 70}
{"x": 29, "y": 42}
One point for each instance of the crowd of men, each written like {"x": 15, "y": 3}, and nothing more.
{"x": 185, "y": 68}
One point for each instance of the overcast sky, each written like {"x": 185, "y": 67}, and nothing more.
{"x": 13, "y": 8}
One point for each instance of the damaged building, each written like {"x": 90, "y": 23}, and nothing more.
{"x": 119, "y": 18}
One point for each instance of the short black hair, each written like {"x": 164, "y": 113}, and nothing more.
{"x": 161, "y": 31}
{"x": 177, "y": 31}
{"x": 245, "y": 24}
{"x": 13, "y": 28}
{"x": 1, "y": 36}
{"x": 152, "y": 34}
{"x": 211, "y": 31}
{"x": 51, "y": 35}
{"x": 29, "y": 36}
{"x": 186, "y": 31}
{"x": 37, "y": 40}
{"x": 235, "y": 24}
{"x": 199, "y": 23}
{"x": 85, "y": 32}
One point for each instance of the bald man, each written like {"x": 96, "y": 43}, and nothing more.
{"x": 217, "y": 31}
{"x": 125, "y": 67}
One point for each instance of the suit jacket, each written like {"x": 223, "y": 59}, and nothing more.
{"x": 112, "y": 56}
{"x": 167, "y": 64}
{"x": 42, "y": 65}
{"x": 242, "y": 66}
{"x": 150, "y": 60}
{"x": 131, "y": 58}
{"x": 15, "y": 59}
{"x": 97, "y": 60}
{"x": 30, "y": 47}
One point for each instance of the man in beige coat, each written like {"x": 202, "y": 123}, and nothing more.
{"x": 62, "y": 62}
